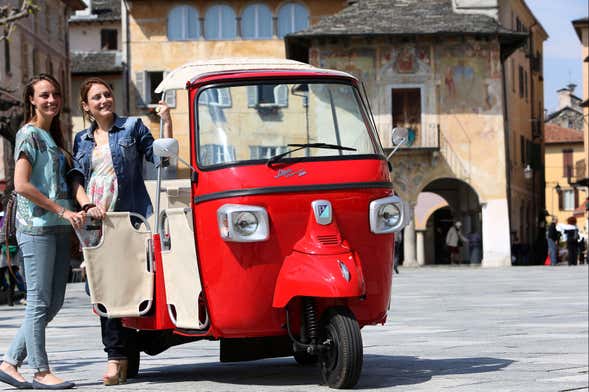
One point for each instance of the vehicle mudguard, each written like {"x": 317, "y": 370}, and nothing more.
{"x": 313, "y": 275}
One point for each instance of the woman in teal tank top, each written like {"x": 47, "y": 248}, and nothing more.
{"x": 44, "y": 218}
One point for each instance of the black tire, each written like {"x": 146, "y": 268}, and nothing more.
{"x": 341, "y": 365}
{"x": 305, "y": 359}
{"x": 134, "y": 359}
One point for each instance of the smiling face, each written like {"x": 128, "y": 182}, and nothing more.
{"x": 46, "y": 99}
{"x": 99, "y": 101}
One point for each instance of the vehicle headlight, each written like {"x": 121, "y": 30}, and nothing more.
{"x": 388, "y": 215}
{"x": 245, "y": 223}
{"x": 242, "y": 223}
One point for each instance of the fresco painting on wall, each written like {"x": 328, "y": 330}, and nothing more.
{"x": 404, "y": 60}
{"x": 358, "y": 62}
{"x": 464, "y": 70}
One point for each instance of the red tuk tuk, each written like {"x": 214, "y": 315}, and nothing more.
{"x": 281, "y": 241}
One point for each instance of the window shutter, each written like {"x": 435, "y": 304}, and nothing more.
{"x": 560, "y": 201}
{"x": 281, "y": 95}
{"x": 576, "y": 197}
{"x": 252, "y": 96}
{"x": 140, "y": 84}
{"x": 224, "y": 97}
{"x": 170, "y": 95}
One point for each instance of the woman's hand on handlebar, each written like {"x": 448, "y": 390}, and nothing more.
{"x": 76, "y": 219}
{"x": 97, "y": 212}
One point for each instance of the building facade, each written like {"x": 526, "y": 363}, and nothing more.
{"x": 462, "y": 82}
{"x": 569, "y": 113}
{"x": 159, "y": 36}
{"x": 38, "y": 43}
{"x": 581, "y": 27}
{"x": 564, "y": 147}
{"x": 95, "y": 46}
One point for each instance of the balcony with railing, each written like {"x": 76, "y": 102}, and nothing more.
{"x": 433, "y": 140}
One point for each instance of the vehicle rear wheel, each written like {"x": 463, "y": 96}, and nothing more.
{"x": 341, "y": 364}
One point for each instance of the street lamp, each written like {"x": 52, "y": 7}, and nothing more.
{"x": 557, "y": 188}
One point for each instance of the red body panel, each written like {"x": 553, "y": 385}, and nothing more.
{"x": 239, "y": 279}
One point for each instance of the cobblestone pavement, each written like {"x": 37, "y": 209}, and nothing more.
{"x": 455, "y": 329}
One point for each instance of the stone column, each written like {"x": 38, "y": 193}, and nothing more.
{"x": 409, "y": 245}
{"x": 420, "y": 247}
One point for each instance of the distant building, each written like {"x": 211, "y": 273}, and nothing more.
{"x": 38, "y": 44}
{"x": 463, "y": 81}
{"x": 581, "y": 27}
{"x": 569, "y": 113}
{"x": 95, "y": 46}
{"x": 162, "y": 35}
{"x": 564, "y": 146}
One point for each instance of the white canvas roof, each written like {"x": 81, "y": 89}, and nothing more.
{"x": 177, "y": 79}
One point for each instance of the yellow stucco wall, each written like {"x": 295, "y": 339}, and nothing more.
{"x": 150, "y": 49}
{"x": 585, "y": 65}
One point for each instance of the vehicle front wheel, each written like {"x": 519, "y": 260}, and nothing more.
{"x": 341, "y": 364}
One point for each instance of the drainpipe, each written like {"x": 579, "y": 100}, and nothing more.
{"x": 507, "y": 141}
{"x": 126, "y": 56}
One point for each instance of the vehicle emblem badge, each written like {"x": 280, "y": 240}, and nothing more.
{"x": 322, "y": 211}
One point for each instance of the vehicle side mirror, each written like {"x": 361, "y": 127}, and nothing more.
{"x": 165, "y": 148}
{"x": 399, "y": 136}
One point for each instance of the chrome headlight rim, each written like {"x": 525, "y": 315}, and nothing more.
{"x": 243, "y": 223}
{"x": 377, "y": 218}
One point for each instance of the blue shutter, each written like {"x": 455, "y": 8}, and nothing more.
{"x": 228, "y": 22}
{"x": 175, "y": 24}
{"x": 192, "y": 23}
{"x": 252, "y": 96}
{"x": 141, "y": 89}
{"x": 281, "y": 95}
{"x": 224, "y": 97}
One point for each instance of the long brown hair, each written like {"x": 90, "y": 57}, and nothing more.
{"x": 30, "y": 115}
{"x": 84, "y": 88}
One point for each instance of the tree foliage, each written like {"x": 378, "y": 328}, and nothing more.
{"x": 10, "y": 14}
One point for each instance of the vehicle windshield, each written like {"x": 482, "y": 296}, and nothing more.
{"x": 264, "y": 121}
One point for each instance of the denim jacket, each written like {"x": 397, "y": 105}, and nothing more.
{"x": 129, "y": 140}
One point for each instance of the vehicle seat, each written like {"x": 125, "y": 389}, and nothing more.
{"x": 120, "y": 282}
{"x": 181, "y": 274}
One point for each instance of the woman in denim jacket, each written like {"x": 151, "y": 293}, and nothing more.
{"x": 108, "y": 164}
{"x": 43, "y": 226}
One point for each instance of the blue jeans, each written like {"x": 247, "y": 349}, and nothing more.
{"x": 47, "y": 261}
{"x": 552, "y": 251}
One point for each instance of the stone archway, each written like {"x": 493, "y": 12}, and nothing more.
{"x": 442, "y": 202}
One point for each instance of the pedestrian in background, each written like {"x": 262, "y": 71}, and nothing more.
{"x": 398, "y": 249}
{"x": 572, "y": 234}
{"x": 108, "y": 177}
{"x": 43, "y": 226}
{"x": 475, "y": 245}
{"x": 454, "y": 241}
{"x": 553, "y": 239}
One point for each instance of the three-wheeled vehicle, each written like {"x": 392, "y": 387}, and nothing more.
{"x": 281, "y": 241}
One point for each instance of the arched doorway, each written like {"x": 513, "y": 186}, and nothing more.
{"x": 461, "y": 204}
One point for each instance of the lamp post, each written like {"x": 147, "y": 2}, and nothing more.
{"x": 557, "y": 190}
{"x": 529, "y": 175}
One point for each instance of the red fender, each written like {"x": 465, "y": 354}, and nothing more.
{"x": 318, "y": 275}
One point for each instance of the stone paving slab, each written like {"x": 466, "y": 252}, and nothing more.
{"x": 456, "y": 329}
